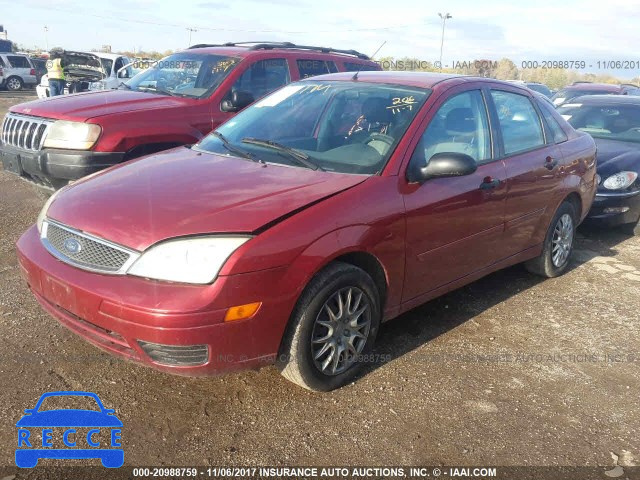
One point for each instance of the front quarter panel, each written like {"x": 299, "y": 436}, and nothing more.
{"x": 367, "y": 218}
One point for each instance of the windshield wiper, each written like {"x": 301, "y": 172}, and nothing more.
{"x": 300, "y": 157}
{"x": 238, "y": 151}
{"x": 122, "y": 84}
{"x": 159, "y": 90}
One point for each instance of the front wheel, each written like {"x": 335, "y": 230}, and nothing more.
{"x": 332, "y": 329}
{"x": 558, "y": 244}
{"x": 14, "y": 83}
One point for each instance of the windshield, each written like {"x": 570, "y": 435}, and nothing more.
{"x": 186, "y": 74}
{"x": 347, "y": 127}
{"x": 106, "y": 65}
{"x": 616, "y": 122}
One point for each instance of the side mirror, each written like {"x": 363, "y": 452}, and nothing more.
{"x": 237, "y": 102}
{"x": 443, "y": 165}
{"x": 123, "y": 73}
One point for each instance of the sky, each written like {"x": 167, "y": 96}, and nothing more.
{"x": 589, "y": 30}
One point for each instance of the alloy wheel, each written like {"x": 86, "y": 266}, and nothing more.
{"x": 341, "y": 330}
{"x": 13, "y": 84}
{"x": 562, "y": 240}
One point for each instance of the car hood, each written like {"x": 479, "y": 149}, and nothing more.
{"x": 84, "y": 106}
{"x": 69, "y": 418}
{"x": 184, "y": 192}
{"x": 615, "y": 156}
{"x": 83, "y": 66}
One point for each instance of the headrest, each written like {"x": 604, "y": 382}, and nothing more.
{"x": 459, "y": 121}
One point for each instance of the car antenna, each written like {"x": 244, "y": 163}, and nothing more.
{"x": 355, "y": 75}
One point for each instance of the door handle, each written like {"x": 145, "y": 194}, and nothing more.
{"x": 550, "y": 163}
{"x": 489, "y": 182}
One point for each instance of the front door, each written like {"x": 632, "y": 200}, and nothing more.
{"x": 454, "y": 225}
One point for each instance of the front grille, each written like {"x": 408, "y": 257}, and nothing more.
{"x": 86, "y": 251}
{"x": 176, "y": 355}
{"x": 28, "y": 133}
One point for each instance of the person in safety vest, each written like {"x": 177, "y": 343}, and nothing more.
{"x": 55, "y": 71}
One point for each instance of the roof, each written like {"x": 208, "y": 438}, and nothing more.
{"x": 413, "y": 79}
{"x": 108, "y": 56}
{"x": 605, "y": 87}
{"x": 243, "y": 49}
{"x": 606, "y": 100}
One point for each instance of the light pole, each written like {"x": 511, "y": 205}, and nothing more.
{"x": 191, "y": 30}
{"x": 444, "y": 18}
{"x": 46, "y": 39}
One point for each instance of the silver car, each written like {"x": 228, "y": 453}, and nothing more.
{"x": 18, "y": 71}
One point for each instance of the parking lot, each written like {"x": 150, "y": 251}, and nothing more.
{"x": 510, "y": 370}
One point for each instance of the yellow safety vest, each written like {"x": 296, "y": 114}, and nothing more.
{"x": 54, "y": 69}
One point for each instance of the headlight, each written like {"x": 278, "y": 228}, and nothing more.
{"x": 43, "y": 212}
{"x": 98, "y": 86}
{"x": 189, "y": 260}
{"x": 620, "y": 180}
{"x": 72, "y": 135}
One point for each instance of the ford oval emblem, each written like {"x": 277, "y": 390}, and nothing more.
{"x": 72, "y": 246}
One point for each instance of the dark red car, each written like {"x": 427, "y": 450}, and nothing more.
{"x": 176, "y": 101}
{"x": 291, "y": 232}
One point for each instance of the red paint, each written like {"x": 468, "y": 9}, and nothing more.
{"x": 428, "y": 238}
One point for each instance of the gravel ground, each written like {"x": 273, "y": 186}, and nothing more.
{"x": 510, "y": 370}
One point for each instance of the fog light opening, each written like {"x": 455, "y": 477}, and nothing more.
{"x": 242, "y": 312}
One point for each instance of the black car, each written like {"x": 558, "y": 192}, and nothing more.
{"x": 614, "y": 122}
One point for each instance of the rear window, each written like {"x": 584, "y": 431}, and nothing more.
{"x": 557, "y": 134}
{"x": 310, "y": 68}
{"x": 18, "y": 62}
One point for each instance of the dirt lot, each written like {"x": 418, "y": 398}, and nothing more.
{"x": 511, "y": 370}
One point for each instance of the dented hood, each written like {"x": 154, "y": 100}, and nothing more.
{"x": 184, "y": 192}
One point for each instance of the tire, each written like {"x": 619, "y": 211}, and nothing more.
{"x": 631, "y": 228}
{"x": 14, "y": 84}
{"x": 311, "y": 324}
{"x": 558, "y": 237}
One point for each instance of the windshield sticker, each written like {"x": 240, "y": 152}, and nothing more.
{"x": 399, "y": 104}
{"x": 280, "y": 96}
{"x": 315, "y": 88}
{"x": 223, "y": 66}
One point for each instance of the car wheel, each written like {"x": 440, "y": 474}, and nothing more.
{"x": 632, "y": 228}
{"x": 14, "y": 83}
{"x": 558, "y": 244}
{"x": 333, "y": 326}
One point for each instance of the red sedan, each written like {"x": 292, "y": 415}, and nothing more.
{"x": 290, "y": 233}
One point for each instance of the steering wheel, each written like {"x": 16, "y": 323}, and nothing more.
{"x": 382, "y": 137}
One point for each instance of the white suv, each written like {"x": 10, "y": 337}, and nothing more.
{"x": 91, "y": 71}
{"x": 18, "y": 71}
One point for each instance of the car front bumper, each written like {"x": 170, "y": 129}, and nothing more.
{"x": 116, "y": 312}
{"x": 54, "y": 168}
{"x": 613, "y": 209}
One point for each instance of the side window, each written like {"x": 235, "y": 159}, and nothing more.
{"x": 118, "y": 65}
{"x": 309, "y": 68}
{"x": 519, "y": 122}
{"x": 459, "y": 126}
{"x": 263, "y": 77}
{"x": 557, "y": 134}
{"x": 354, "y": 67}
{"x": 18, "y": 62}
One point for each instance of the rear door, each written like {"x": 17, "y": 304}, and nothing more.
{"x": 532, "y": 165}
{"x": 21, "y": 67}
{"x": 454, "y": 225}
